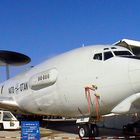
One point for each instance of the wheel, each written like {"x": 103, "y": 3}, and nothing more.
{"x": 84, "y": 131}
{"x": 94, "y": 130}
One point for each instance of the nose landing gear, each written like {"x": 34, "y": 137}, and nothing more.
{"x": 88, "y": 130}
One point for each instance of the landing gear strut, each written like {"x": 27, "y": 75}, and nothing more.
{"x": 88, "y": 130}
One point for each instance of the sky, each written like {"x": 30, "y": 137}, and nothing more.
{"x": 42, "y": 29}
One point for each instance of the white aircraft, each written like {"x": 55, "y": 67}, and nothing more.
{"x": 85, "y": 83}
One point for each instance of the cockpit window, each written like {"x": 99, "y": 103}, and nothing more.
{"x": 106, "y": 48}
{"x": 107, "y": 55}
{"x": 122, "y": 53}
{"x": 113, "y": 48}
{"x": 98, "y": 56}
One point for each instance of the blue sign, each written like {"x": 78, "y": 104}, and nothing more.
{"x": 30, "y": 130}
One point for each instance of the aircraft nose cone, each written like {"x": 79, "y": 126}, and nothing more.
{"x": 134, "y": 74}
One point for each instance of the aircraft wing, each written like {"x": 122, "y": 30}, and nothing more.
{"x": 8, "y": 103}
{"x": 131, "y": 104}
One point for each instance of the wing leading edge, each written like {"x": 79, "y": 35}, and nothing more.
{"x": 8, "y": 103}
{"x": 130, "y": 104}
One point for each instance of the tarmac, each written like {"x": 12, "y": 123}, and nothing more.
{"x": 65, "y": 131}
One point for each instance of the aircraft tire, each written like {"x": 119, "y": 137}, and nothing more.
{"x": 84, "y": 131}
{"x": 94, "y": 130}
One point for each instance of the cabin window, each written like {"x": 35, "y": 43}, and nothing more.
{"x": 107, "y": 55}
{"x": 98, "y": 56}
{"x": 122, "y": 53}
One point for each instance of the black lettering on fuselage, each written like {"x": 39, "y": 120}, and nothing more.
{"x": 43, "y": 77}
{"x": 11, "y": 90}
{"x": 22, "y": 87}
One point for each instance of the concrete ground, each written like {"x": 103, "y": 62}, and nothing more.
{"x": 62, "y": 130}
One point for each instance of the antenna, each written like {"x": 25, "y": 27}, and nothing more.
{"x": 9, "y": 58}
{"x": 83, "y": 45}
{"x": 7, "y": 72}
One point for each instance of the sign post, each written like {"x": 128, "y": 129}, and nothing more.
{"x": 30, "y": 130}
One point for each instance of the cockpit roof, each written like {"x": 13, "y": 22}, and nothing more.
{"x": 106, "y": 52}
{"x": 104, "y": 48}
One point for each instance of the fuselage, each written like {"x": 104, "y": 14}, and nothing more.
{"x": 57, "y": 86}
